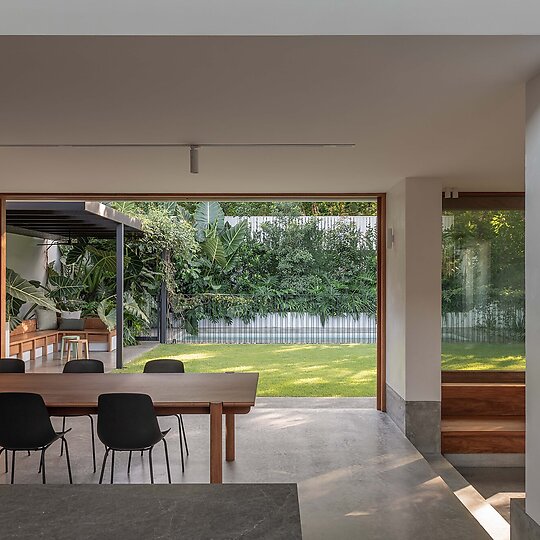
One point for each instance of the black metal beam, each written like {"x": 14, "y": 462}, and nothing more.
{"x": 119, "y": 295}
{"x": 69, "y": 219}
{"x": 164, "y": 307}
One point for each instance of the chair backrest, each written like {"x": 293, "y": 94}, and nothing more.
{"x": 24, "y": 421}
{"x": 127, "y": 421}
{"x": 11, "y": 365}
{"x": 84, "y": 366}
{"x": 164, "y": 366}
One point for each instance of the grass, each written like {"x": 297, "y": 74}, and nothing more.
{"x": 483, "y": 356}
{"x": 285, "y": 370}
{"x": 321, "y": 370}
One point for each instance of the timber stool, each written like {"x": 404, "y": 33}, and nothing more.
{"x": 75, "y": 343}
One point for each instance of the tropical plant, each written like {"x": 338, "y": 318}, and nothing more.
{"x": 20, "y": 291}
{"x": 209, "y": 273}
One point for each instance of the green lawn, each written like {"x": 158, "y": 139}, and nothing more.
{"x": 320, "y": 370}
{"x": 483, "y": 356}
{"x": 285, "y": 370}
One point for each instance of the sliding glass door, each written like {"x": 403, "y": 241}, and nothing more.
{"x": 483, "y": 284}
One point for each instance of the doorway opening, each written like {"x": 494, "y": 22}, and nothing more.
{"x": 289, "y": 288}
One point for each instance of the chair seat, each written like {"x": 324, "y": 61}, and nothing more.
{"x": 44, "y": 444}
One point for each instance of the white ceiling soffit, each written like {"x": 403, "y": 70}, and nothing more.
{"x": 432, "y": 106}
{"x": 269, "y": 17}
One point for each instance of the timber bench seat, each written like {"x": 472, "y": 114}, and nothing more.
{"x": 26, "y": 337}
{"x": 483, "y": 412}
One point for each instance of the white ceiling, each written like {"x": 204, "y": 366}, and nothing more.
{"x": 269, "y": 17}
{"x": 444, "y": 107}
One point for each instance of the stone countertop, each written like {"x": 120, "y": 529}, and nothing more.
{"x": 179, "y": 511}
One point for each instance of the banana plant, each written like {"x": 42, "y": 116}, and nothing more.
{"x": 220, "y": 246}
{"x": 20, "y": 291}
{"x": 208, "y": 216}
{"x": 106, "y": 310}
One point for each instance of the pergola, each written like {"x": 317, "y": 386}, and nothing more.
{"x": 63, "y": 221}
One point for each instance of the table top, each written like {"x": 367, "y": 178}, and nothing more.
{"x": 194, "y": 511}
{"x": 81, "y": 390}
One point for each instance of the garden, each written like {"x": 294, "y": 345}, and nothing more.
{"x": 235, "y": 266}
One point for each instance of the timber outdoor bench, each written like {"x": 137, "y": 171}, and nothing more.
{"x": 26, "y": 337}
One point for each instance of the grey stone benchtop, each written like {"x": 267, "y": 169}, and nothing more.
{"x": 179, "y": 511}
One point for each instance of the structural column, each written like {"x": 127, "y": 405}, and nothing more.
{"x": 524, "y": 523}
{"x": 119, "y": 295}
{"x": 413, "y": 304}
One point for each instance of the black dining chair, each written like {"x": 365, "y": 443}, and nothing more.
{"x": 165, "y": 365}
{"x": 127, "y": 423}
{"x": 11, "y": 365}
{"x": 84, "y": 366}
{"x": 25, "y": 425}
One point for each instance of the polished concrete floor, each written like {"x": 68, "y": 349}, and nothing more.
{"x": 497, "y": 485}
{"x": 358, "y": 476}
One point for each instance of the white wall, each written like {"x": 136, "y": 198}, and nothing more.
{"x": 395, "y": 291}
{"x": 413, "y": 344}
{"x": 532, "y": 297}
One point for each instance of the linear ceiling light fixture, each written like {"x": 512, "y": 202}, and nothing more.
{"x": 193, "y": 148}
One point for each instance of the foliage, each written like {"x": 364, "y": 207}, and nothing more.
{"x": 20, "y": 291}
{"x": 169, "y": 238}
{"x": 483, "y": 267}
{"x": 287, "y": 266}
{"x": 85, "y": 278}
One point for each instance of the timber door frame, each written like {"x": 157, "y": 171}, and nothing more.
{"x": 380, "y": 198}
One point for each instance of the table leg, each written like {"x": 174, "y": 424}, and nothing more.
{"x": 216, "y": 443}
{"x": 229, "y": 438}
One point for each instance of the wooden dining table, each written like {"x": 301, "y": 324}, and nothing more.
{"x": 216, "y": 394}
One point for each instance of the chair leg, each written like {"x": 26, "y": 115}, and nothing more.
{"x": 42, "y": 465}
{"x": 103, "y": 465}
{"x": 151, "y": 465}
{"x": 13, "y": 466}
{"x": 180, "y": 439}
{"x": 129, "y": 461}
{"x": 184, "y": 434}
{"x": 5, "y": 457}
{"x": 63, "y": 429}
{"x": 112, "y": 466}
{"x": 93, "y": 442}
{"x": 167, "y": 460}
{"x": 67, "y": 461}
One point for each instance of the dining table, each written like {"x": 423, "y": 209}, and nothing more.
{"x": 215, "y": 394}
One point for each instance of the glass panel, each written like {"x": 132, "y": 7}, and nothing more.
{"x": 483, "y": 290}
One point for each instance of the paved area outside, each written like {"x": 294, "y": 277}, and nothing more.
{"x": 357, "y": 475}
{"x": 53, "y": 364}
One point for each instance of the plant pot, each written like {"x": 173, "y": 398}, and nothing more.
{"x": 71, "y": 314}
